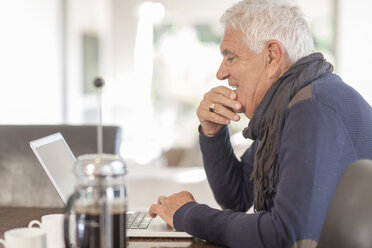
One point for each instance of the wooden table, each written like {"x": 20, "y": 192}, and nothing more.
{"x": 13, "y": 217}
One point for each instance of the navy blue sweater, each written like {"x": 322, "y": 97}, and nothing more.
{"x": 318, "y": 137}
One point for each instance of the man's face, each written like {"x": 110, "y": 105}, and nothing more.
{"x": 245, "y": 71}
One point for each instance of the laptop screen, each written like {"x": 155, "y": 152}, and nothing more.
{"x": 58, "y": 162}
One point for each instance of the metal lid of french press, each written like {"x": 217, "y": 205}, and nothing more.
{"x": 100, "y": 165}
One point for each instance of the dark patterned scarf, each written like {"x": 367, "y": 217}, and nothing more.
{"x": 265, "y": 121}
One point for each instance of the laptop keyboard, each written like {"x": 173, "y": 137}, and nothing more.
{"x": 138, "y": 220}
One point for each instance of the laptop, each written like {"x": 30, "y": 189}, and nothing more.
{"x": 58, "y": 161}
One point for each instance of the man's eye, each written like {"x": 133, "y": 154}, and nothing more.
{"x": 230, "y": 59}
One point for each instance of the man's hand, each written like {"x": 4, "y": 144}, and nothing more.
{"x": 225, "y": 110}
{"x": 167, "y": 206}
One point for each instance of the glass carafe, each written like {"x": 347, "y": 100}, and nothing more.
{"x": 96, "y": 212}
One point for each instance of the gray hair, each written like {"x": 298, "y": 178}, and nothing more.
{"x": 264, "y": 20}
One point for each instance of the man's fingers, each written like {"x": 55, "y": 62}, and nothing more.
{"x": 225, "y": 112}
{"x": 229, "y": 93}
{"x": 218, "y": 108}
{"x": 156, "y": 210}
{"x": 153, "y": 211}
{"x": 224, "y": 102}
{"x": 167, "y": 206}
{"x": 232, "y": 104}
{"x": 213, "y": 97}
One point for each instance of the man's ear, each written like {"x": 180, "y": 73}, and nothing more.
{"x": 275, "y": 54}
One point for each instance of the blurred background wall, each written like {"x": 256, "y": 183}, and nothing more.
{"x": 157, "y": 58}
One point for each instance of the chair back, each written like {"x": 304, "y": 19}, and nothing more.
{"x": 23, "y": 181}
{"x": 348, "y": 221}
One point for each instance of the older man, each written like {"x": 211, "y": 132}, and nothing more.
{"x": 306, "y": 123}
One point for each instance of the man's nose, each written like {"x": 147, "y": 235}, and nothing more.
{"x": 222, "y": 72}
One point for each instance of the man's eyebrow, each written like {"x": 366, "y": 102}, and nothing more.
{"x": 227, "y": 52}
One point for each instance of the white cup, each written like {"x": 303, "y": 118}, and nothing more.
{"x": 52, "y": 224}
{"x": 24, "y": 238}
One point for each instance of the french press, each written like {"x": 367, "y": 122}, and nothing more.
{"x": 98, "y": 206}
{"x": 95, "y": 214}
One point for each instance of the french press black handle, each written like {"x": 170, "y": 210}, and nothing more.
{"x": 66, "y": 222}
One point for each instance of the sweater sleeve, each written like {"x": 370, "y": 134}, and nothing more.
{"x": 227, "y": 176}
{"x": 313, "y": 152}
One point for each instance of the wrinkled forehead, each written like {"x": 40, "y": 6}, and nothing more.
{"x": 232, "y": 40}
